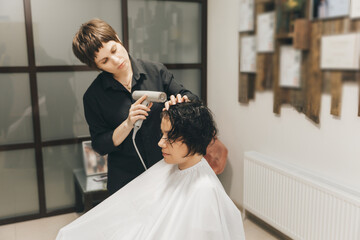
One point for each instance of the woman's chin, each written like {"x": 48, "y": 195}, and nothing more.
{"x": 167, "y": 160}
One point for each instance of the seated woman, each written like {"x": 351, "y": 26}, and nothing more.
{"x": 178, "y": 198}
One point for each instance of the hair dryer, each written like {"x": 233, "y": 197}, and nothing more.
{"x": 151, "y": 97}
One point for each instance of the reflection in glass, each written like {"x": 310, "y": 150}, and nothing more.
{"x": 18, "y": 179}
{"x": 191, "y": 79}
{"x": 55, "y": 27}
{"x": 15, "y": 109}
{"x": 12, "y": 27}
{"x": 60, "y": 104}
{"x": 165, "y": 31}
{"x": 59, "y": 163}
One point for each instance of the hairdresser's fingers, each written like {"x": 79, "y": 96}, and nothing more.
{"x": 172, "y": 100}
{"x": 166, "y": 106}
{"x": 135, "y": 115}
{"x": 150, "y": 105}
{"x": 186, "y": 99}
{"x": 137, "y": 112}
{"x": 179, "y": 98}
{"x": 133, "y": 120}
{"x": 136, "y": 106}
{"x": 140, "y": 100}
{"x": 139, "y": 109}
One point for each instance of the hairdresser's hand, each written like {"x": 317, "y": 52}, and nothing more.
{"x": 174, "y": 100}
{"x": 138, "y": 111}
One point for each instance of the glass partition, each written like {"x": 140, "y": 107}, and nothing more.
{"x": 190, "y": 78}
{"x": 12, "y": 28}
{"x": 165, "y": 31}
{"x": 55, "y": 27}
{"x": 59, "y": 162}
{"x": 15, "y": 109}
{"x": 61, "y": 106}
{"x": 18, "y": 185}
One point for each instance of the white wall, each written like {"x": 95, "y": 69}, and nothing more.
{"x": 330, "y": 149}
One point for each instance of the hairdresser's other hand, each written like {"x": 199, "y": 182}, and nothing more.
{"x": 174, "y": 100}
{"x": 138, "y": 111}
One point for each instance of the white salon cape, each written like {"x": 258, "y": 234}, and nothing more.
{"x": 163, "y": 203}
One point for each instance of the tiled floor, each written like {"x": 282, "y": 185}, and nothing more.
{"x": 47, "y": 228}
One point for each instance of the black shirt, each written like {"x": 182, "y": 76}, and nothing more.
{"x": 107, "y": 104}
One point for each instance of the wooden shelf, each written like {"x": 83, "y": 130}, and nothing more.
{"x": 283, "y": 36}
{"x": 300, "y": 36}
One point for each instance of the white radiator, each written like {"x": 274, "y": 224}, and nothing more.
{"x": 297, "y": 203}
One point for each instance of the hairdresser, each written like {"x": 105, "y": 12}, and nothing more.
{"x": 110, "y": 110}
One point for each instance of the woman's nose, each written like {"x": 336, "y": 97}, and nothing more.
{"x": 115, "y": 60}
{"x": 161, "y": 143}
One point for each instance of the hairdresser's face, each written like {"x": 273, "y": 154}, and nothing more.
{"x": 113, "y": 58}
{"x": 175, "y": 152}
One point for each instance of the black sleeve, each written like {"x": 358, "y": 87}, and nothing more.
{"x": 101, "y": 133}
{"x": 173, "y": 87}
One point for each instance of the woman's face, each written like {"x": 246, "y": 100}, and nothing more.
{"x": 113, "y": 58}
{"x": 175, "y": 152}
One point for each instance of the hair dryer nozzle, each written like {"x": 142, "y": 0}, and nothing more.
{"x": 152, "y": 96}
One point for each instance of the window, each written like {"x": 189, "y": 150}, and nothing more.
{"x": 42, "y": 83}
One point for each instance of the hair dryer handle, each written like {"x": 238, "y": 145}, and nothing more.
{"x": 139, "y": 122}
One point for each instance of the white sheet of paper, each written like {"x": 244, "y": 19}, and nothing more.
{"x": 290, "y": 67}
{"x": 248, "y": 54}
{"x": 265, "y": 32}
{"x": 355, "y": 9}
{"x": 246, "y": 19}
{"x": 333, "y": 8}
{"x": 338, "y": 8}
{"x": 340, "y": 51}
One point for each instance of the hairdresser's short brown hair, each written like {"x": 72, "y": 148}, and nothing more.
{"x": 90, "y": 38}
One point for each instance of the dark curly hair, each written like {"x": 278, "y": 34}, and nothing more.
{"x": 193, "y": 124}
